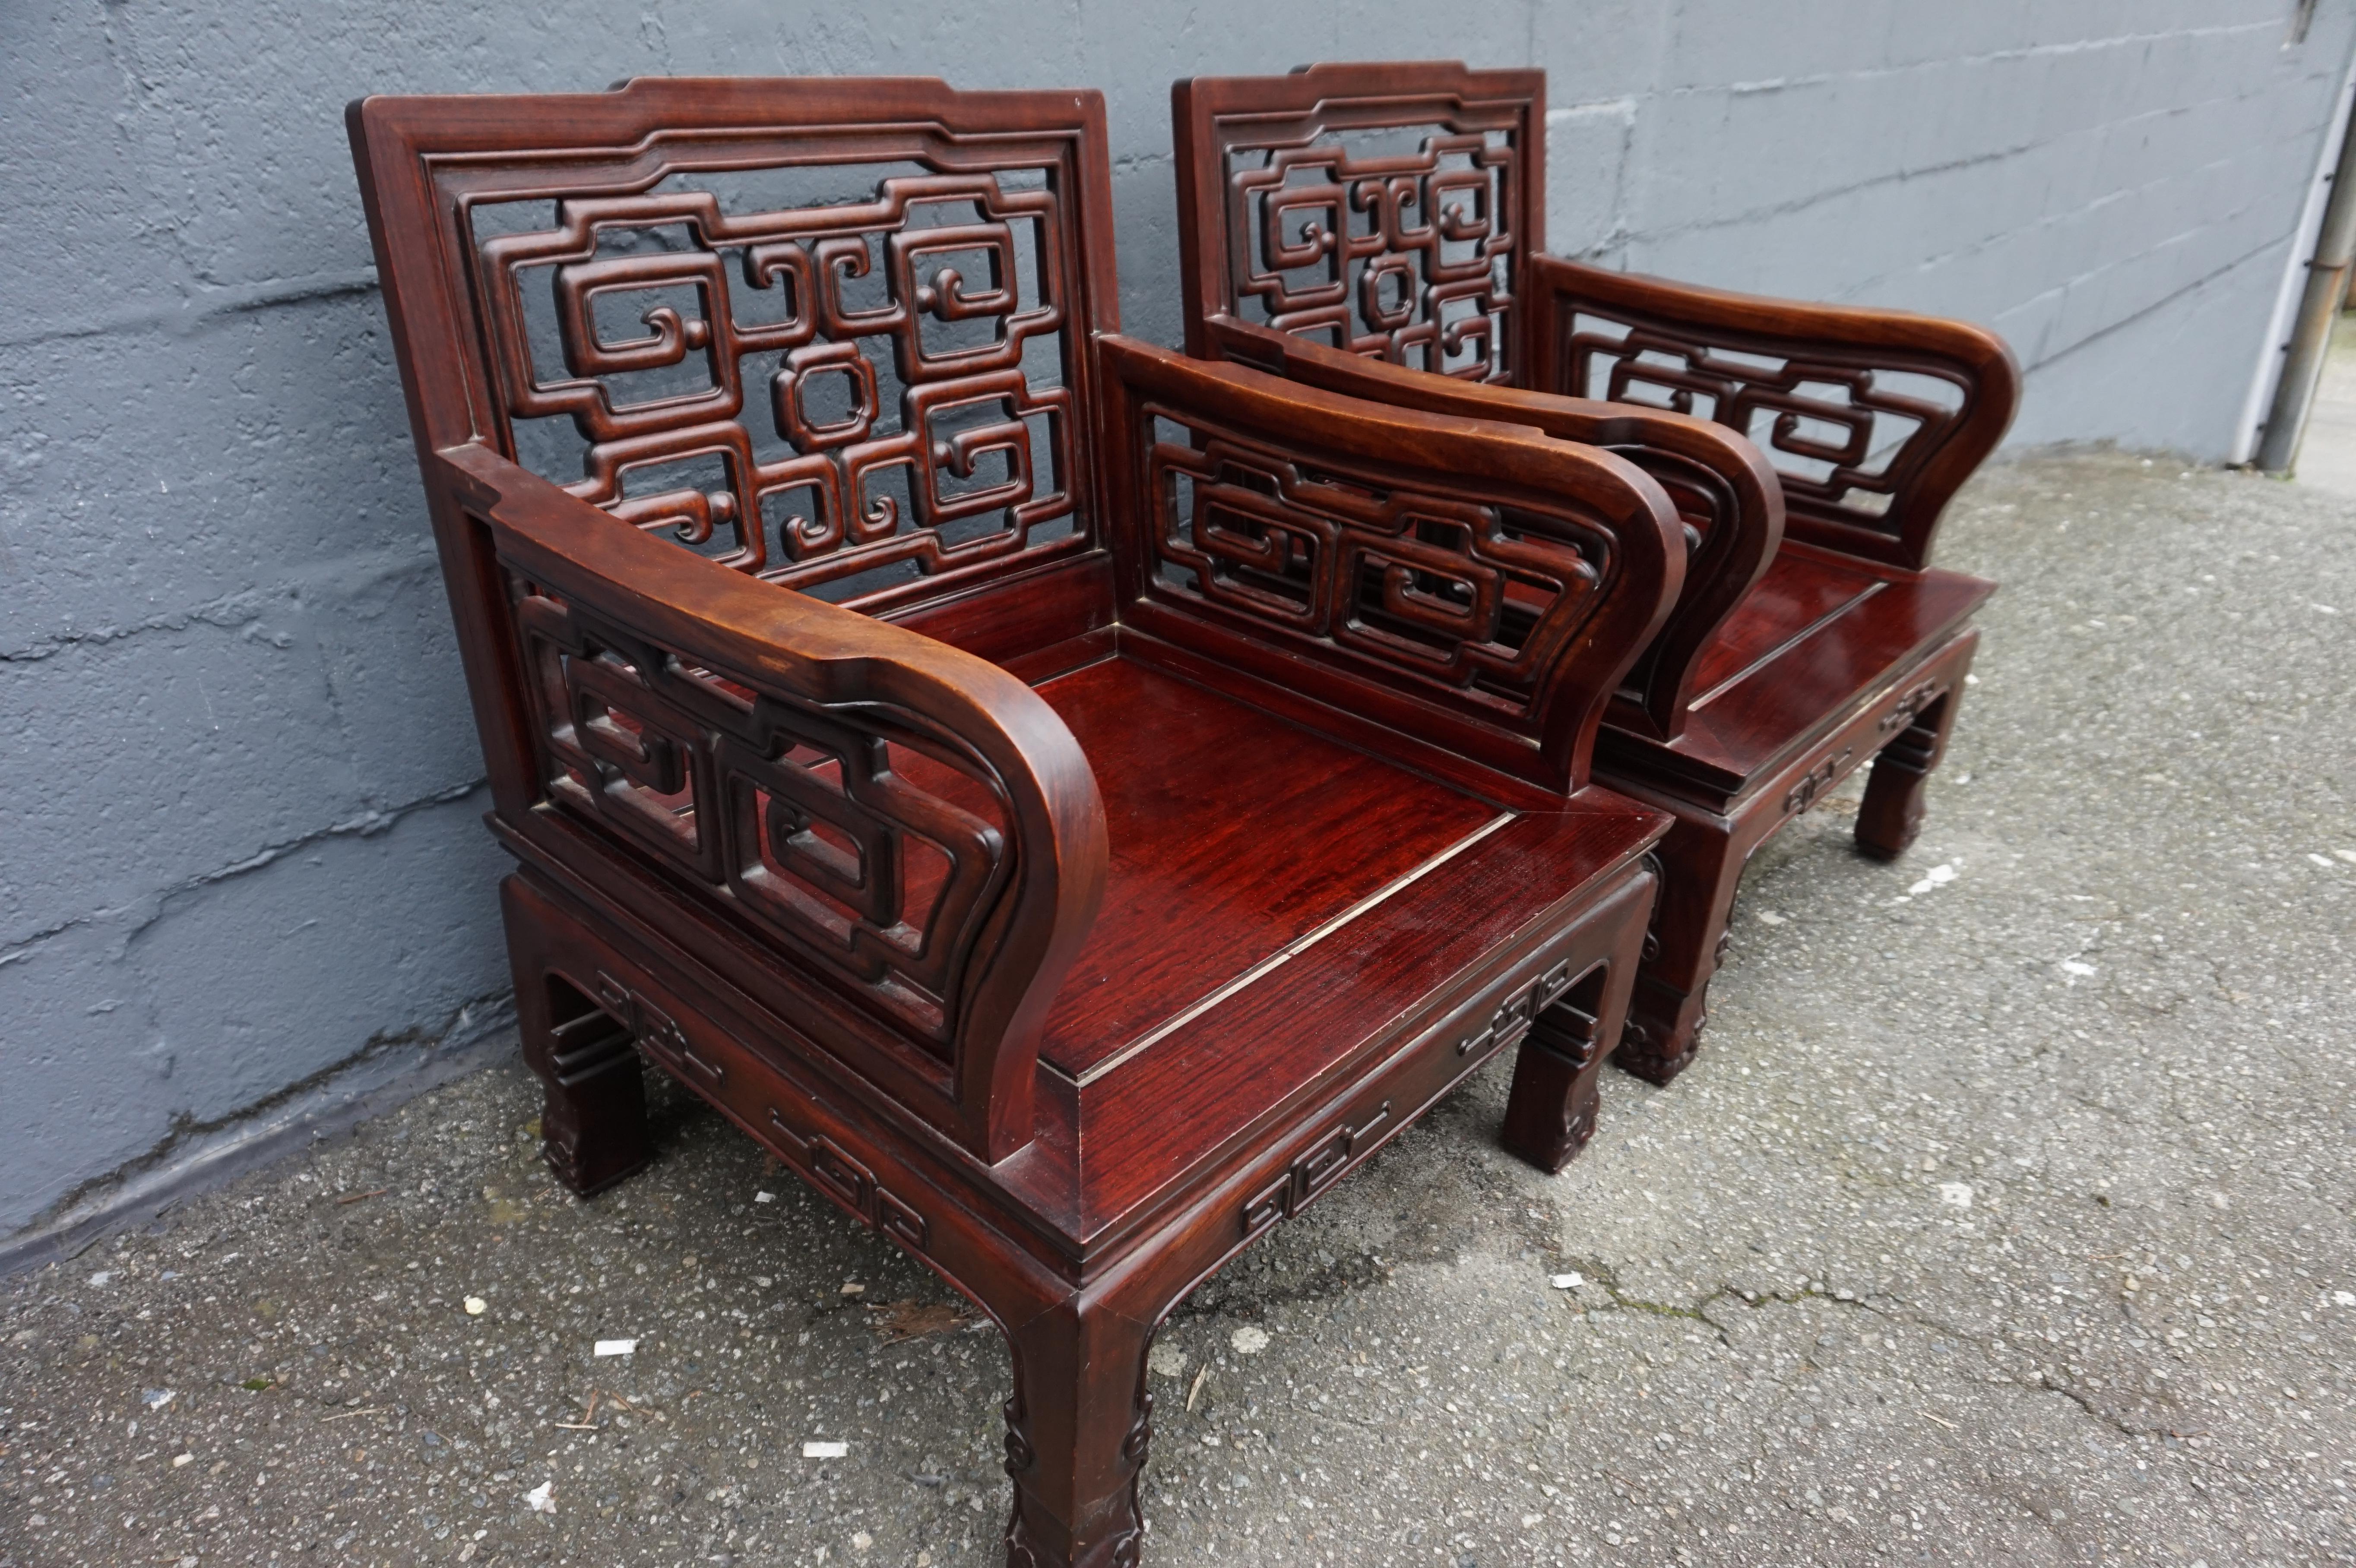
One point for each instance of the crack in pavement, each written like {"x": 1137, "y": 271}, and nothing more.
{"x": 2042, "y": 1378}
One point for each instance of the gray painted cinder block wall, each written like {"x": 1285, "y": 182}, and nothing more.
{"x": 241, "y": 867}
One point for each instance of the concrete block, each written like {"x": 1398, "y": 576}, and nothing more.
{"x": 83, "y": 1089}
{"x": 120, "y": 1034}
{"x": 263, "y": 979}
{"x": 1145, "y": 211}
{"x": 170, "y": 756}
{"x": 1672, "y": 181}
{"x": 390, "y": 656}
{"x": 2104, "y": 390}
{"x": 2086, "y": 87}
{"x": 2069, "y": 161}
{"x": 1386, "y": 29}
{"x": 2028, "y": 327}
{"x": 1587, "y": 151}
{"x": 1596, "y": 53}
{"x": 2076, "y": 23}
{"x": 1718, "y": 43}
{"x": 1920, "y": 31}
{"x": 156, "y": 473}
{"x": 1793, "y": 143}
{"x": 239, "y": 116}
{"x": 1979, "y": 282}
{"x": 87, "y": 243}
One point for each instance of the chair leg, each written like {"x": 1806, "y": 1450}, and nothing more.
{"x": 1700, "y": 865}
{"x": 1076, "y": 1431}
{"x": 1891, "y": 813}
{"x": 1550, "y": 1111}
{"x": 593, "y": 1126}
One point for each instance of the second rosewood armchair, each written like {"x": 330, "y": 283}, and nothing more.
{"x": 1070, "y": 803}
{"x": 1376, "y": 229}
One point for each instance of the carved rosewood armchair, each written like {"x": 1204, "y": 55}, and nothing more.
{"x": 1069, "y": 802}
{"x": 1371, "y": 229}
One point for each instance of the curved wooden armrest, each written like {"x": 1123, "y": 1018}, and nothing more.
{"x": 1867, "y": 467}
{"x": 762, "y": 670}
{"x": 1410, "y": 532}
{"x": 1722, "y": 486}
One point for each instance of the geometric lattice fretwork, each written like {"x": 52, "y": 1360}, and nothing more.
{"x": 859, "y": 398}
{"x": 1401, "y": 250}
{"x": 872, "y": 853}
{"x": 1417, "y": 589}
{"x": 1845, "y": 431}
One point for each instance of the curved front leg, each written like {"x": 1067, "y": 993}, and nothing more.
{"x": 1891, "y": 813}
{"x": 1701, "y": 864}
{"x": 581, "y": 1047}
{"x": 1077, "y": 1430}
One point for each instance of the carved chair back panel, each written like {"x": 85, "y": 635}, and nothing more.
{"x": 850, "y": 360}
{"x": 1393, "y": 224}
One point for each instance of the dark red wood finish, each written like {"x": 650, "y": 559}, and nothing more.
{"x": 1375, "y": 230}
{"x": 1070, "y": 801}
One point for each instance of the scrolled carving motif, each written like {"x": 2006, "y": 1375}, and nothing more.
{"x": 1817, "y": 782}
{"x": 1122, "y": 1547}
{"x": 1908, "y": 707}
{"x": 1408, "y": 256}
{"x": 1510, "y": 1024}
{"x": 1314, "y": 1172}
{"x": 872, "y": 848}
{"x": 1844, "y": 444}
{"x": 1423, "y": 588}
{"x": 766, "y": 308}
{"x": 1020, "y": 1455}
{"x": 851, "y": 1183}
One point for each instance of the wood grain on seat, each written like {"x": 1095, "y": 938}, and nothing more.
{"x": 1209, "y": 806}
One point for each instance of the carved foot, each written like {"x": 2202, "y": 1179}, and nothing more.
{"x": 1886, "y": 835}
{"x": 594, "y": 1128}
{"x": 1663, "y": 1032}
{"x": 1048, "y": 1547}
{"x": 1550, "y": 1111}
{"x": 1891, "y": 813}
{"x": 1077, "y": 1433}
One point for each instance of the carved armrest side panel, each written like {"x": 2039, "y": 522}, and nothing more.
{"x": 870, "y": 847}
{"x": 910, "y": 833}
{"x": 1873, "y": 419}
{"x": 1724, "y": 491}
{"x": 1381, "y": 219}
{"x": 1475, "y": 585}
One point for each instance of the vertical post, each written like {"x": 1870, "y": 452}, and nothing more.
{"x": 2310, "y": 338}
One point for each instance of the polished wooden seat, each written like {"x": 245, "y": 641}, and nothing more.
{"x": 1375, "y": 229}
{"x": 1817, "y": 631}
{"x": 1070, "y": 801}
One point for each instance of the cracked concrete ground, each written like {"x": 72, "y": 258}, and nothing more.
{"x": 2005, "y": 1218}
